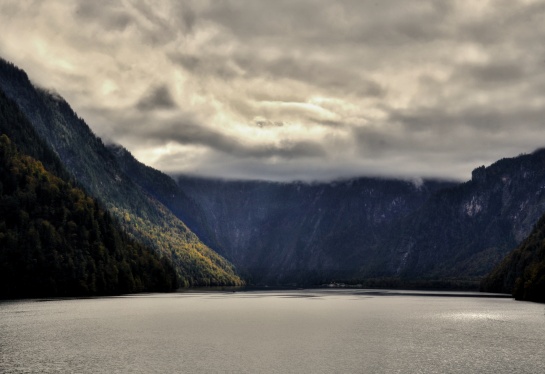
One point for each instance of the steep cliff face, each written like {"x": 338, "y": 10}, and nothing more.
{"x": 306, "y": 233}
{"x": 95, "y": 168}
{"x": 297, "y": 232}
{"x": 468, "y": 229}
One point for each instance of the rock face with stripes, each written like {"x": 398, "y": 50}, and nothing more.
{"x": 368, "y": 228}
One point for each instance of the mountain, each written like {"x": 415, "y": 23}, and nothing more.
{"x": 468, "y": 229}
{"x": 279, "y": 233}
{"x": 15, "y": 125}
{"x": 55, "y": 240}
{"x": 374, "y": 228}
{"x": 282, "y": 233}
{"x": 165, "y": 190}
{"x": 93, "y": 166}
{"x": 522, "y": 272}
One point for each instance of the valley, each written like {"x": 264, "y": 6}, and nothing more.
{"x": 229, "y": 232}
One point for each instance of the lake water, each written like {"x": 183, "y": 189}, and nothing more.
{"x": 299, "y": 331}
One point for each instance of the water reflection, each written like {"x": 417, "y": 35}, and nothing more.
{"x": 290, "y": 331}
{"x": 306, "y": 293}
{"x": 475, "y": 316}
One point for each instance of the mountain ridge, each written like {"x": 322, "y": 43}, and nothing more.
{"x": 55, "y": 240}
{"x": 456, "y": 230}
{"x": 95, "y": 168}
{"x": 279, "y": 231}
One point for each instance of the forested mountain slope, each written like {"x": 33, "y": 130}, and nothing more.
{"x": 93, "y": 166}
{"x": 54, "y": 239}
{"x": 522, "y": 272}
{"x": 164, "y": 189}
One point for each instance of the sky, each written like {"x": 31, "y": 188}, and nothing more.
{"x": 295, "y": 89}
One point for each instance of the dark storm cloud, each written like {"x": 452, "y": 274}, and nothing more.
{"x": 493, "y": 73}
{"x": 157, "y": 98}
{"x": 324, "y": 74}
{"x": 152, "y": 26}
{"x": 325, "y": 22}
{"x": 110, "y": 17}
{"x": 186, "y": 130}
{"x": 194, "y": 134}
{"x": 505, "y": 22}
{"x": 209, "y": 65}
{"x": 475, "y": 121}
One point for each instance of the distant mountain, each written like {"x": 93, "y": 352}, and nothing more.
{"x": 468, "y": 229}
{"x": 94, "y": 167}
{"x": 374, "y": 228}
{"x": 54, "y": 239}
{"x": 279, "y": 233}
{"x": 522, "y": 272}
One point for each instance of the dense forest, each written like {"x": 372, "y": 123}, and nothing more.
{"x": 522, "y": 272}
{"x": 57, "y": 241}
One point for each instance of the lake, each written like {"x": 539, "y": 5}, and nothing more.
{"x": 294, "y": 331}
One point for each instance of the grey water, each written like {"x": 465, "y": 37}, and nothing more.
{"x": 298, "y": 331}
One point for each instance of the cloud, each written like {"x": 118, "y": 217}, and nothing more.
{"x": 112, "y": 18}
{"x": 294, "y": 90}
{"x": 188, "y": 133}
{"x": 157, "y": 98}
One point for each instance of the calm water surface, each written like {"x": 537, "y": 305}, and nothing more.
{"x": 308, "y": 331}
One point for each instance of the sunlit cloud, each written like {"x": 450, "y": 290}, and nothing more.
{"x": 289, "y": 90}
